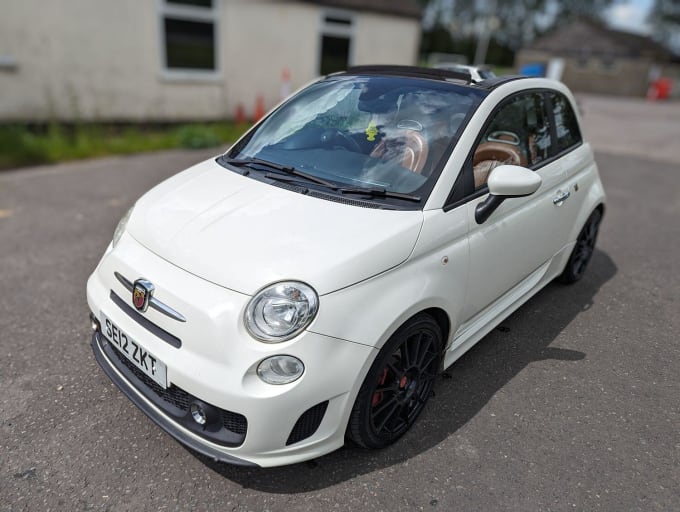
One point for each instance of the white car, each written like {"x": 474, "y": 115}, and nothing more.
{"x": 477, "y": 73}
{"x": 308, "y": 285}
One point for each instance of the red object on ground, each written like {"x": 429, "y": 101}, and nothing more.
{"x": 660, "y": 89}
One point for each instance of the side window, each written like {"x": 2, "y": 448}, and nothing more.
{"x": 519, "y": 134}
{"x": 566, "y": 126}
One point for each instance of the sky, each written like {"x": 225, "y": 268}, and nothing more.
{"x": 629, "y": 15}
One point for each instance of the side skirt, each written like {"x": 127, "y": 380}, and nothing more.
{"x": 483, "y": 323}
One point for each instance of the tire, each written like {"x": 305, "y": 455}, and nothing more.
{"x": 398, "y": 385}
{"x": 583, "y": 250}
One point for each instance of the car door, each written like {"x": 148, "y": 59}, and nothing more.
{"x": 576, "y": 158}
{"x": 511, "y": 250}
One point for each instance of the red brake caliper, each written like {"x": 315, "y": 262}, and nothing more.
{"x": 402, "y": 382}
{"x": 378, "y": 395}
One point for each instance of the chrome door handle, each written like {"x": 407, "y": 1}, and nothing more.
{"x": 561, "y": 197}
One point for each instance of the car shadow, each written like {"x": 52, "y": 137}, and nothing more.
{"x": 460, "y": 392}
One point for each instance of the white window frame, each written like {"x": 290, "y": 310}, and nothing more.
{"x": 337, "y": 30}
{"x": 189, "y": 13}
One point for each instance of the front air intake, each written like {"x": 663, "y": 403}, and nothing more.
{"x": 308, "y": 423}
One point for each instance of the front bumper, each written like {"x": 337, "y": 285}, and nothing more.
{"x": 105, "y": 356}
{"x": 216, "y": 365}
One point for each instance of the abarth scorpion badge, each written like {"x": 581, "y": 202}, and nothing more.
{"x": 141, "y": 293}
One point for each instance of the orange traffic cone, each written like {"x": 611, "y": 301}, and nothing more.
{"x": 240, "y": 114}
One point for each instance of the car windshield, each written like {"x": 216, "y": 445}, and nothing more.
{"x": 366, "y": 132}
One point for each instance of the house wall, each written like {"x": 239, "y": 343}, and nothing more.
{"x": 619, "y": 76}
{"x": 386, "y": 40}
{"x": 614, "y": 76}
{"x": 79, "y": 58}
{"x": 101, "y": 60}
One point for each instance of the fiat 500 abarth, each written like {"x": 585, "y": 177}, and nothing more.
{"x": 308, "y": 285}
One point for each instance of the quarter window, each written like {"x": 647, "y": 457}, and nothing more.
{"x": 566, "y": 125}
{"x": 519, "y": 134}
{"x": 189, "y": 36}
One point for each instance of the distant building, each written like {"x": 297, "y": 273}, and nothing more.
{"x": 171, "y": 60}
{"x": 598, "y": 59}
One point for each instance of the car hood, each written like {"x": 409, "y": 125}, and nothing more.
{"x": 243, "y": 234}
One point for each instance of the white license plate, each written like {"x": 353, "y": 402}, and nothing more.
{"x": 134, "y": 352}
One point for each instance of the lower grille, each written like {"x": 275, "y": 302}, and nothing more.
{"x": 308, "y": 423}
{"x": 176, "y": 402}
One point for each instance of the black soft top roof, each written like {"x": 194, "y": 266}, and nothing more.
{"x": 431, "y": 73}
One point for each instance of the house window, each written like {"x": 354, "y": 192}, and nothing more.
{"x": 608, "y": 64}
{"x": 189, "y": 37}
{"x": 336, "y": 42}
{"x": 582, "y": 62}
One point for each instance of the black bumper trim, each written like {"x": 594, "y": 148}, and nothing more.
{"x": 145, "y": 322}
{"x": 159, "y": 419}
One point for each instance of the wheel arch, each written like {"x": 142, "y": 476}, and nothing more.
{"x": 595, "y": 200}
{"x": 442, "y": 318}
{"x": 437, "y": 312}
{"x": 379, "y": 320}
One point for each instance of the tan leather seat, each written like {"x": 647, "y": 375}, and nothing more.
{"x": 410, "y": 148}
{"x": 489, "y": 155}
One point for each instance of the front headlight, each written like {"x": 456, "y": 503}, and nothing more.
{"x": 280, "y": 311}
{"x": 120, "y": 228}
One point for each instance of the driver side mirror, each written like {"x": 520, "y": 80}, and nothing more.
{"x": 506, "y": 181}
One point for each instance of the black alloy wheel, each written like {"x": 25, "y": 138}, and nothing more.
{"x": 583, "y": 250}
{"x": 398, "y": 385}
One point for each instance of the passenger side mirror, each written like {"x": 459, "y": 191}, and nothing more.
{"x": 506, "y": 181}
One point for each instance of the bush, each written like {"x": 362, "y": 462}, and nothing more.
{"x": 21, "y": 145}
{"x": 196, "y": 136}
{"x": 18, "y": 146}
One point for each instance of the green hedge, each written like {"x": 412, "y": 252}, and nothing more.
{"x": 21, "y": 145}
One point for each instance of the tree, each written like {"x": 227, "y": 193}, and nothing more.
{"x": 513, "y": 22}
{"x": 589, "y": 9}
{"x": 503, "y": 25}
{"x": 665, "y": 18}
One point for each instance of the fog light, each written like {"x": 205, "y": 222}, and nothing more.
{"x": 94, "y": 323}
{"x": 198, "y": 414}
{"x": 280, "y": 370}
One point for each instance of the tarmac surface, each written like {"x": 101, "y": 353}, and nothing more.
{"x": 632, "y": 126}
{"x": 571, "y": 404}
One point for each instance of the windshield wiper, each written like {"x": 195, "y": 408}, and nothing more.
{"x": 286, "y": 169}
{"x": 379, "y": 192}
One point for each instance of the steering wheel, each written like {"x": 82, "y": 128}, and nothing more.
{"x": 339, "y": 139}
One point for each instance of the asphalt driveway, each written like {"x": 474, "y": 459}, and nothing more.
{"x": 572, "y": 403}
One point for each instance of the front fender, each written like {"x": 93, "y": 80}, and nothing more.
{"x": 434, "y": 276}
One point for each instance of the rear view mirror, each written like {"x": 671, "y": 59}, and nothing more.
{"x": 513, "y": 181}
{"x": 506, "y": 181}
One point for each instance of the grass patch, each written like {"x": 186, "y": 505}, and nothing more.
{"x": 21, "y": 145}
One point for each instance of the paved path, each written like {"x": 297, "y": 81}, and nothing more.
{"x": 572, "y": 405}
{"x": 633, "y": 127}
